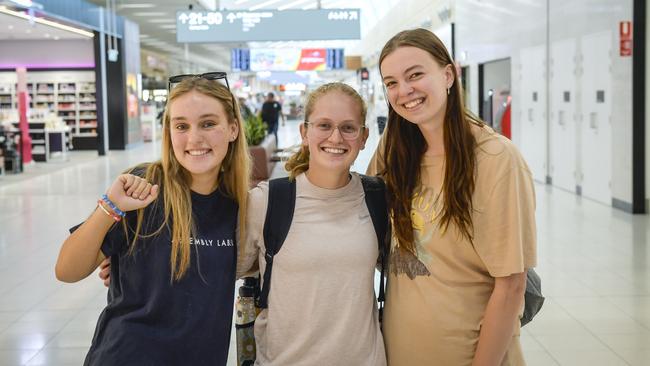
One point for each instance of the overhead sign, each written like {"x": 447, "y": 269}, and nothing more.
{"x": 287, "y": 59}
{"x": 267, "y": 25}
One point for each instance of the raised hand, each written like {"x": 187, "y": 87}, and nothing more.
{"x": 129, "y": 192}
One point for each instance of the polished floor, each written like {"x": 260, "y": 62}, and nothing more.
{"x": 594, "y": 262}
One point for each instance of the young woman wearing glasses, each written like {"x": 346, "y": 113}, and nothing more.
{"x": 174, "y": 255}
{"x": 321, "y": 306}
{"x": 462, "y": 202}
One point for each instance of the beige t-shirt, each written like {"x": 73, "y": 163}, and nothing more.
{"x": 322, "y": 306}
{"x": 436, "y": 302}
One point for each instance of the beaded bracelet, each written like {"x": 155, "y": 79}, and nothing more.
{"x": 115, "y": 217}
{"x": 112, "y": 206}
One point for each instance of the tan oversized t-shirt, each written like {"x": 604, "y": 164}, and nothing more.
{"x": 322, "y": 307}
{"x": 436, "y": 301}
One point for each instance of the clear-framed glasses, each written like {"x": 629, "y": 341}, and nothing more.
{"x": 325, "y": 129}
{"x": 215, "y": 76}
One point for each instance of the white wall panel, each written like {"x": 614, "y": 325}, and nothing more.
{"x": 563, "y": 139}
{"x": 531, "y": 117}
{"x": 596, "y": 106}
{"x": 490, "y": 30}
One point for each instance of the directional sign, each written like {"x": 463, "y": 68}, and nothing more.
{"x": 267, "y": 25}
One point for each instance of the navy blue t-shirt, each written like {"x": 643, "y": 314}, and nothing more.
{"x": 150, "y": 320}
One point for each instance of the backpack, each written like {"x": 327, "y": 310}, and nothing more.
{"x": 279, "y": 215}
{"x": 533, "y": 299}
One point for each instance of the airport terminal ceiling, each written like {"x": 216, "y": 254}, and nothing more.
{"x": 157, "y": 22}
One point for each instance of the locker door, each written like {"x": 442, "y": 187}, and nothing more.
{"x": 532, "y": 115}
{"x": 596, "y": 92}
{"x": 563, "y": 137}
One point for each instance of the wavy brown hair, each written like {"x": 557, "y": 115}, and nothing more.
{"x": 299, "y": 162}
{"x": 175, "y": 181}
{"x": 405, "y": 146}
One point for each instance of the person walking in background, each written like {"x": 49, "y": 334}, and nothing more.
{"x": 271, "y": 113}
{"x": 462, "y": 201}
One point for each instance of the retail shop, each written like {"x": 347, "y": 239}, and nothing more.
{"x": 54, "y": 95}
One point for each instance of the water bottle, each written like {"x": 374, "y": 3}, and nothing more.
{"x": 244, "y": 321}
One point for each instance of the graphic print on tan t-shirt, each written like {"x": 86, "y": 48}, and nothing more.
{"x": 436, "y": 299}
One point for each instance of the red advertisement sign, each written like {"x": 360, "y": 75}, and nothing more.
{"x": 625, "y": 34}
{"x": 313, "y": 59}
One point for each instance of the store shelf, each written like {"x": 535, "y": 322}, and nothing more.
{"x": 70, "y": 95}
{"x": 85, "y": 134}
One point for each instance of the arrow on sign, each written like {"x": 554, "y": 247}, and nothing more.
{"x": 183, "y": 18}
{"x": 231, "y": 17}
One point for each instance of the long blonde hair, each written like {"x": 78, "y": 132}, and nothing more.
{"x": 174, "y": 180}
{"x": 299, "y": 162}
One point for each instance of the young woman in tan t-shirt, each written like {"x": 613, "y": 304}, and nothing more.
{"x": 462, "y": 202}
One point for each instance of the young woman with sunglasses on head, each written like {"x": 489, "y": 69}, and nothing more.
{"x": 462, "y": 202}
{"x": 174, "y": 254}
{"x": 321, "y": 304}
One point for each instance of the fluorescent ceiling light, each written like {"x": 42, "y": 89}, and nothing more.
{"x": 291, "y": 5}
{"x": 68, "y": 28}
{"x": 168, "y": 26}
{"x": 149, "y": 14}
{"x": 135, "y": 6}
{"x": 169, "y": 21}
{"x": 239, "y": 2}
{"x": 264, "y": 4}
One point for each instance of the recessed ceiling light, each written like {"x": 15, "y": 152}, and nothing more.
{"x": 150, "y": 14}
{"x": 28, "y": 31}
{"x": 56, "y": 38}
{"x": 47, "y": 35}
{"x": 10, "y": 26}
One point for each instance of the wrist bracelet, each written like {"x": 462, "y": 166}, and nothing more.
{"x": 115, "y": 217}
{"x": 112, "y": 206}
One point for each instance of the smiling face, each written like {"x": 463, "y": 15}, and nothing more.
{"x": 200, "y": 133}
{"x": 334, "y": 153}
{"x": 416, "y": 84}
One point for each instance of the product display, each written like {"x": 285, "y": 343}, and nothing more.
{"x": 68, "y": 95}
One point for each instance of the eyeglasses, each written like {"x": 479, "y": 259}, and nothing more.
{"x": 215, "y": 75}
{"x": 325, "y": 129}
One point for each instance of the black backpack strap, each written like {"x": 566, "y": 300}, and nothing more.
{"x": 279, "y": 214}
{"x": 375, "y": 194}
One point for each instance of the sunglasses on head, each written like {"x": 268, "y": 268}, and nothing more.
{"x": 215, "y": 75}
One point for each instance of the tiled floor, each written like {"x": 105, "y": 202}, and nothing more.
{"x": 594, "y": 262}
